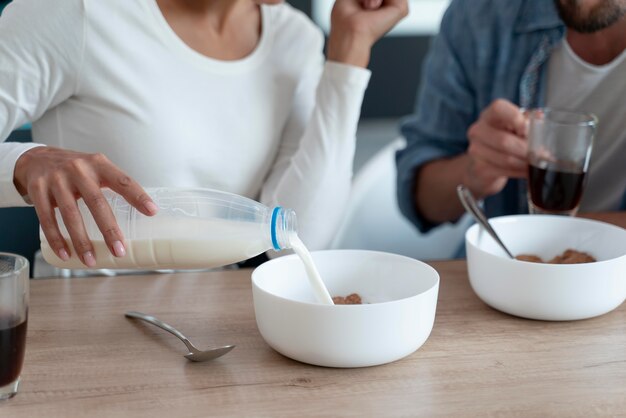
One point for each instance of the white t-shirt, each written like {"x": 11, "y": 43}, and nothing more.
{"x": 574, "y": 84}
{"x": 112, "y": 77}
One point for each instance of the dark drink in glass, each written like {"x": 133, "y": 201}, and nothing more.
{"x": 12, "y": 347}
{"x": 13, "y": 318}
{"x": 559, "y": 150}
{"x": 555, "y": 187}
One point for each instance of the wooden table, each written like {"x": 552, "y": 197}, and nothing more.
{"x": 615, "y": 218}
{"x": 85, "y": 359}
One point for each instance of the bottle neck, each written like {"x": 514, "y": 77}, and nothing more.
{"x": 283, "y": 224}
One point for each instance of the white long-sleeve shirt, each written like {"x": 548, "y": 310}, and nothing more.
{"x": 113, "y": 77}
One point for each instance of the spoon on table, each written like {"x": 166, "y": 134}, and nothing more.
{"x": 194, "y": 353}
{"x": 470, "y": 205}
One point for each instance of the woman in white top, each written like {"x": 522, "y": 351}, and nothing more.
{"x": 227, "y": 94}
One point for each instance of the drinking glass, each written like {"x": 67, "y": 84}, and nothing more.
{"x": 559, "y": 149}
{"x": 13, "y": 318}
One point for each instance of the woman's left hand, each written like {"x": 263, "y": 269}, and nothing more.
{"x": 357, "y": 24}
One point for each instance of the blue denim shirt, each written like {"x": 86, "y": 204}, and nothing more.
{"x": 486, "y": 49}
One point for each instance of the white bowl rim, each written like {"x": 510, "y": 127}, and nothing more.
{"x": 500, "y": 219}
{"x": 361, "y": 306}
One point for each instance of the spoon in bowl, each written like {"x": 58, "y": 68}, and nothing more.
{"x": 194, "y": 353}
{"x": 470, "y": 205}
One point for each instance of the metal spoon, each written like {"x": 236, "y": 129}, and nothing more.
{"x": 194, "y": 353}
{"x": 470, "y": 205}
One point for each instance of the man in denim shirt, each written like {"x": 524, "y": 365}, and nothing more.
{"x": 491, "y": 58}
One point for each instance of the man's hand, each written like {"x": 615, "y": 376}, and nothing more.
{"x": 497, "y": 149}
{"x": 54, "y": 177}
{"x": 357, "y": 24}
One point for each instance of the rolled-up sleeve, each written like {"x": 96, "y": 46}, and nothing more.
{"x": 445, "y": 109}
{"x": 9, "y": 154}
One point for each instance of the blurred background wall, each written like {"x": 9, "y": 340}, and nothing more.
{"x": 396, "y": 66}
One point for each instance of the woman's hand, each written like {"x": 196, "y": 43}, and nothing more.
{"x": 54, "y": 177}
{"x": 357, "y": 24}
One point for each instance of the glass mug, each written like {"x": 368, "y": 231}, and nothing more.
{"x": 559, "y": 148}
{"x": 13, "y": 318}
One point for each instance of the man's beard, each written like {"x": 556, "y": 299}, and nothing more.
{"x": 601, "y": 16}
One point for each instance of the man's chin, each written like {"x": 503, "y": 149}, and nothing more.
{"x": 598, "y": 16}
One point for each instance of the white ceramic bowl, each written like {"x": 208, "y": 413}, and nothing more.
{"x": 400, "y": 295}
{"x": 548, "y": 291}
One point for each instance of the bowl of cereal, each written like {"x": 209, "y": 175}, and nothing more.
{"x": 536, "y": 285}
{"x": 398, "y": 298}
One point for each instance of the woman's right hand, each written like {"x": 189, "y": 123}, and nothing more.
{"x": 357, "y": 24}
{"x": 54, "y": 177}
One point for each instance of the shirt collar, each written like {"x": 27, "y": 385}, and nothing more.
{"x": 538, "y": 15}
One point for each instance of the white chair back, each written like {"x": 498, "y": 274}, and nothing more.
{"x": 374, "y": 222}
